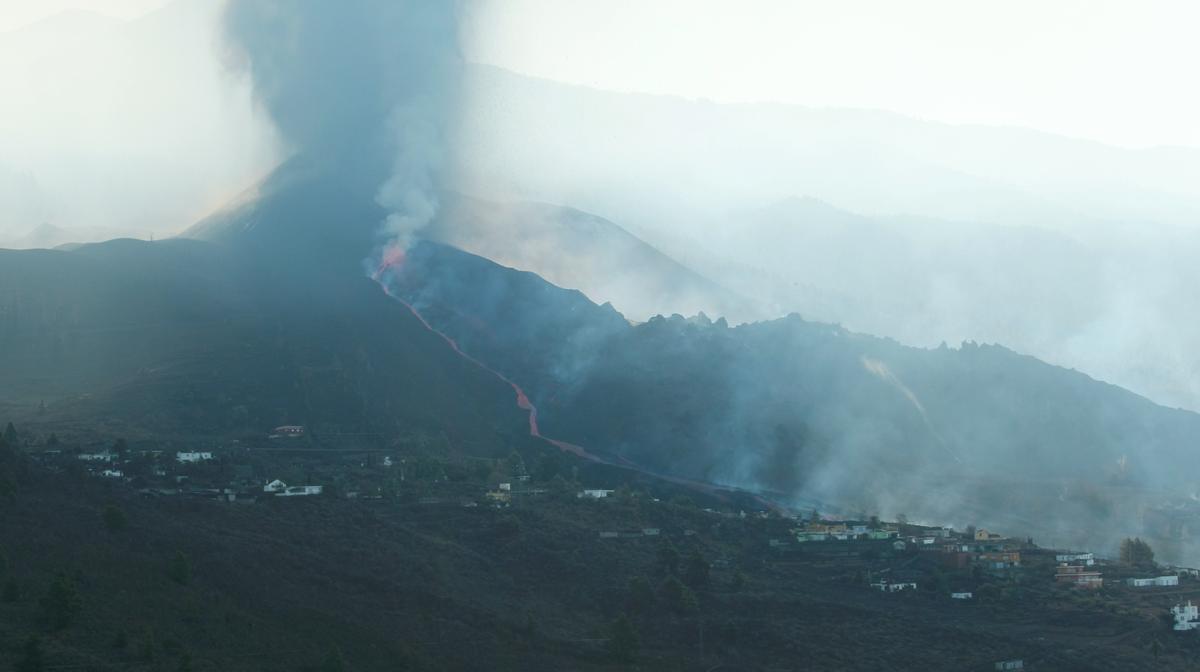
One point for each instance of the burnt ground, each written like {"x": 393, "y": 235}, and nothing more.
{"x": 391, "y": 584}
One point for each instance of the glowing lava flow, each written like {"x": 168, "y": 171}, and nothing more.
{"x": 395, "y": 256}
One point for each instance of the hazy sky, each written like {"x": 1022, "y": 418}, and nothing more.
{"x": 17, "y": 13}
{"x": 1112, "y": 70}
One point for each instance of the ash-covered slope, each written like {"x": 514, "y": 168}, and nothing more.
{"x": 193, "y": 339}
{"x": 811, "y": 409}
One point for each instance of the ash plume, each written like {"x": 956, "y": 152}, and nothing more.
{"x": 365, "y": 87}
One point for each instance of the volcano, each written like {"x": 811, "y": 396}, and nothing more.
{"x": 269, "y": 320}
{"x": 264, "y": 316}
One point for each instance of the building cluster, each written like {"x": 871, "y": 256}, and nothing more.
{"x": 990, "y": 552}
{"x": 1080, "y": 576}
{"x": 280, "y": 489}
{"x": 1186, "y": 616}
{"x": 886, "y": 586}
{"x": 630, "y": 534}
{"x": 287, "y": 432}
{"x": 815, "y": 530}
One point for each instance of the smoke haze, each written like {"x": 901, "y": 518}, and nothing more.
{"x": 368, "y": 85}
{"x": 1074, "y": 251}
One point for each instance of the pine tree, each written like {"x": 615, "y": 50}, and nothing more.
{"x": 1136, "y": 552}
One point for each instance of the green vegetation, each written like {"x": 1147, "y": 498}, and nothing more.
{"x": 1136, "y": 552}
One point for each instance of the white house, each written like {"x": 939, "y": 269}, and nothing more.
{"x": 287, "y": 432}
{"x": 112, "y": 473}
{"x": 961, "y": 596}
{"x": 189, "y": 457}
{"x": 97, "y": 457}
{"x": 301, "y": 491}
{"x": 275, "y": 486}
{"x": 1085, "y": 559}
{"x": 1187, "y": 617}
{"x": 596, "y": 494}
{"x": 1156, "y": 581}
{"x": 886, "y": 587}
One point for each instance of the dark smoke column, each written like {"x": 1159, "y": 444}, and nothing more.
{"x": 368, "y": 87}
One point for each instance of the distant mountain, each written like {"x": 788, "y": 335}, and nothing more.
{"x": 575, "y": 249}
{"x": 671, "y": 163}
{"x": 813, "y": 410}
{"x": 1109, "y": 307}
{"x": 47, "y": 236}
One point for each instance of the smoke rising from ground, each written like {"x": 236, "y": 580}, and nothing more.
{"x": 368, "y": 86}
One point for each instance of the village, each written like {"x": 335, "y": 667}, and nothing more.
{"x": 894, "y": 560}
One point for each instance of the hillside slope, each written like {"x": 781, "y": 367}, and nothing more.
{"x": 575, "y": 249}
{"x": 391, "y": 584}
{"x": 191, "y": 339}
{"x": 813, "y": 410}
